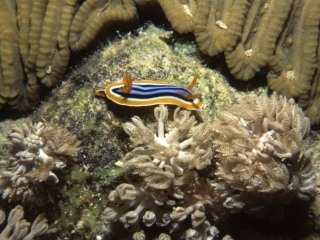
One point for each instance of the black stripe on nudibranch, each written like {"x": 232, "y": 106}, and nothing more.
{"x": 149, "y": 92}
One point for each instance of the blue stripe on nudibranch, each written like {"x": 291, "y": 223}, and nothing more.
{"x": 146, "y": 93}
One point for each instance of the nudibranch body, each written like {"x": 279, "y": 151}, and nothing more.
{"x": 146, "y": 93}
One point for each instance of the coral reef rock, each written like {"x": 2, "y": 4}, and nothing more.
{"x": 37, "y": 150}
{"x": 17, "y": 227}
{"x": 259, "y": 164}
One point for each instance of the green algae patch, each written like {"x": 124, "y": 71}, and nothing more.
{"x": 79, "y": 176}
{"x": 112, "y": 173}
{"x": 315, "y": 207}
{"x": 4, "y": 152}
{"x": 91, "y": 126}
{"x": 81, "y": 101}
{"x": 80, "y": 208}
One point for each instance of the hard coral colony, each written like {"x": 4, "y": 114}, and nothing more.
{"x": 257, "y": 167}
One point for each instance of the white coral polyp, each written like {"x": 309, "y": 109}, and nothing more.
{"x": 161, "y": 141}
{"x": 264, "y": 139}
{"x": 52, "y": 179}
{"x": 43, "y": 156}
{"x": 33, "y": 141}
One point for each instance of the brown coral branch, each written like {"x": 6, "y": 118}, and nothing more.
{"x": 11, "y": 77}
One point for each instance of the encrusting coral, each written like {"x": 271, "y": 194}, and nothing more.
{"x": 259, "y": 164}
{"x": 37, "y": 151}
{"x": 257, "y": 167}
{"x": 17, "y": 227}
{"x": 167, "y": 164}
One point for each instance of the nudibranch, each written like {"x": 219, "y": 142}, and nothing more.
{"x": 146, "y": 93}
